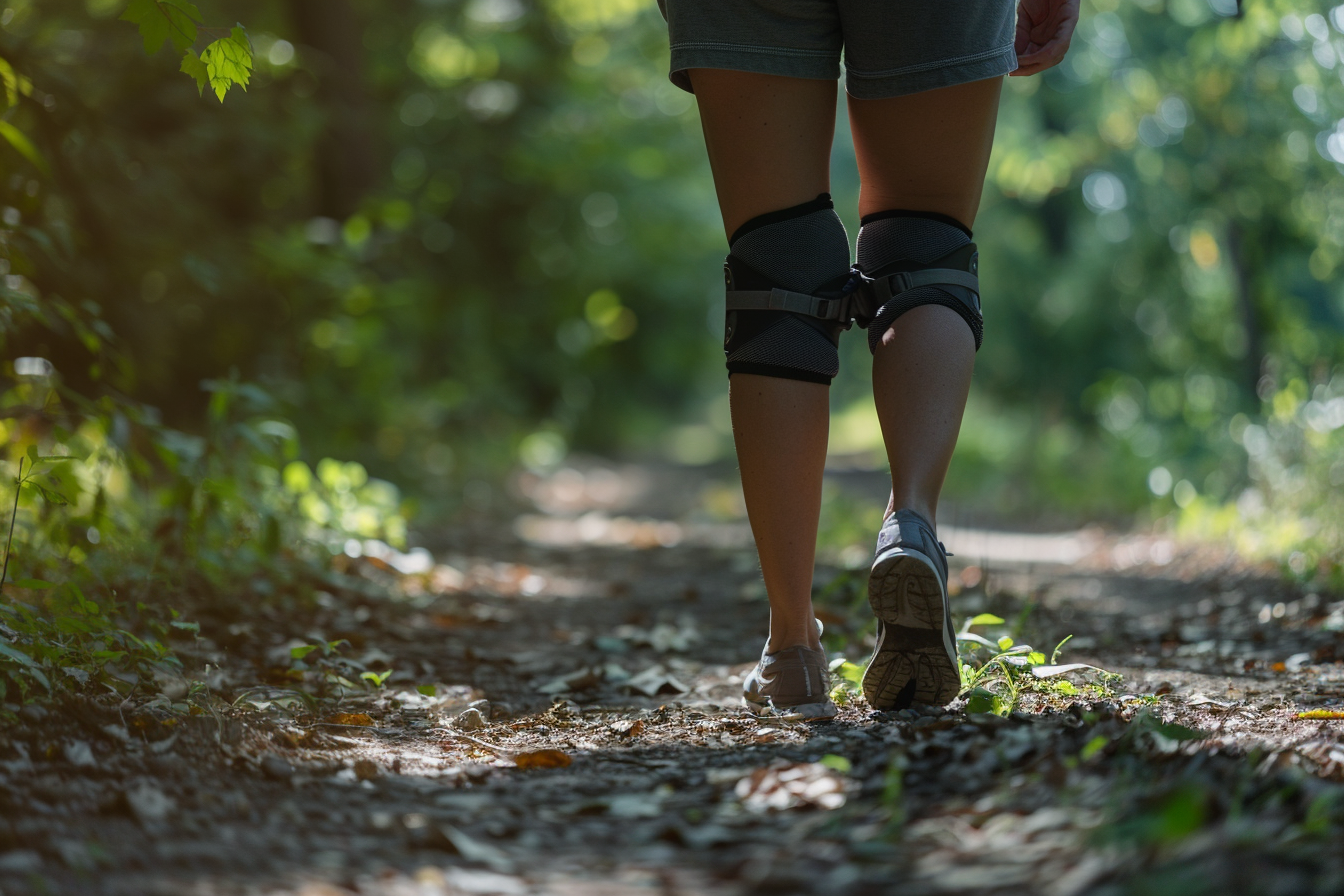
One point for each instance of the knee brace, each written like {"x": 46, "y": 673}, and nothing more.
{"x": 913, "y": 259}
{"x": 788, "y": 278}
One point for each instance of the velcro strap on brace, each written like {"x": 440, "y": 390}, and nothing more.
{"x": 786, "y": 300}
{"x": 864, "y": 296}
{"x": 962, "y": 283}
{"x": 887, "y": 288}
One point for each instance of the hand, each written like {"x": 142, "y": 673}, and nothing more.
{"x": 1044, "y": 29}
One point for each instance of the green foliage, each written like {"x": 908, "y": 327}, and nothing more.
{"x": 320, "y": 669}
{"x": 1292, "y": 510}
{"x": 848, "y": 678}
{"x": 52, "y": 638}
{"x": 996, "y": 673}
{"x": 224, "y": 62}
{"x": 164, "y": 20}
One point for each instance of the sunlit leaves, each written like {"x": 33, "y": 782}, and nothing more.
{"x": 228, "y": 61}
{"x": 23, "y": 146}
{"x": 590, "y": 15}
{"x": 443, "y": 58}
{"x": 224, "y": 62}
{"x": 15, "y": 84}
{"x": 194, "y": 66}
{"x": 164, "y": 20}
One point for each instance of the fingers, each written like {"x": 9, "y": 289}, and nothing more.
{"x": 1044, "y": 31}
{"x": 1036, "y": 63}
{"x": 1039, "y": 60}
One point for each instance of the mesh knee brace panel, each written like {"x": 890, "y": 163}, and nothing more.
{"x": 889, "y": 241}
{"x": 804, "y": 249}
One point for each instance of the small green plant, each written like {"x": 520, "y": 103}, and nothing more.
{"x": 58, "y": 636}
{"x": 26, "y": 479}
{"x": 62, "y": 639}
{"x": 848, "y": 679}
{"x": 334, "y": 671}
{"x": 995, "y": 673}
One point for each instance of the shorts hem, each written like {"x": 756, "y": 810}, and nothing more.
{"x": 815, "y": 65}
{"x": 779, "y": 373}
{"x": 929, "y": 75}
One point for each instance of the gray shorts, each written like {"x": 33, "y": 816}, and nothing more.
{"x": 891, "y": 47}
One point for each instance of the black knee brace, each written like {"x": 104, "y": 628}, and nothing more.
{"x": 913, "y": 259}
{"x": 787, "y": 274}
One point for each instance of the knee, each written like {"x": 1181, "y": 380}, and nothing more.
{"x": 918, "y": 259}
{"x": 797, "y": 255}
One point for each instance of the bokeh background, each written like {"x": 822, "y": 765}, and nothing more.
{"x": 437, "y": 242}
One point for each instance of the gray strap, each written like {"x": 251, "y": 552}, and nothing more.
{"x": 899, "y": 283}
{"x": 783, "y": 300}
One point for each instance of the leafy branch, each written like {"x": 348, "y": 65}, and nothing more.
{"x": 34, "y": 461}
{"x": 226, "y": 59}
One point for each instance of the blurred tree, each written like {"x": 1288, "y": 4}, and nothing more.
{"x": 448, "y": 232}
{"x": 347, "y": 161}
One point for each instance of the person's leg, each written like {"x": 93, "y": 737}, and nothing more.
{"x": 927, "y": 152}
{"x": 769, "y": 141}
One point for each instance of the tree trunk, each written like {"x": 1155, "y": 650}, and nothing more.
{"x": 347, "y": 158}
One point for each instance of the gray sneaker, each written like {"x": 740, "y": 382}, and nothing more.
{"x": 794, "y": 682}
{"x": 916, "y": 655}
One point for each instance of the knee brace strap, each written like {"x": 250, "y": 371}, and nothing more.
{"x": 786, "y": 276}
{"x": 917, "y": 258}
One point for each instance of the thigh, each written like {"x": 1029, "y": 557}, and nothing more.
{"x": 926, "y": 151}
{"x": 768, "y": 137}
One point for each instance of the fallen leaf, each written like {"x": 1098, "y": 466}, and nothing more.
{"x": 366, "y": 769}
{"x": 474, "y": 850}
{"x": 1047, "y": 671}
{"x": 362, "y": 719}
{"x": 149, "y": 804}
{"x": 471, "y": 719}
{"x": 1321, "y": 714}
{"x": 78, "y": 753}
{"x": 579, "y": 680}
{"x": 791, "y": 786}
{"x": 543, "y": 759}
{"x": 655, "y": 680}
{"x": 1279, "y": 667}
{"x": 765, "y": 735}
{"x": 635, "y": 805}
{"x": 629, "y": 727}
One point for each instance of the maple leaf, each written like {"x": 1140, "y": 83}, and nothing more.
{"x": 228, "y": 61}
{"x": 164, "y": 20}
{"x": 192, "y": 65}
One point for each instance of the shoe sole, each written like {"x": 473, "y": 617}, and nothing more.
{"x": 804, "y": 712}
{"x": 915, "y": 659}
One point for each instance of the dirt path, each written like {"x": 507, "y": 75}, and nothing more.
{"x": 582, "y": 734}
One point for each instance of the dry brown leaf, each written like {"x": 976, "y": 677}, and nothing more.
{"x": 628, "y": 727}
{"x": 543, "y": 759}
{"x": 361, "y": 719}
{"x": 366, "y": 769}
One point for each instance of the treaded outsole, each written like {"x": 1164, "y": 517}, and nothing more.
{"x": 805, "y": 712}
{"x": 911, "y": 663}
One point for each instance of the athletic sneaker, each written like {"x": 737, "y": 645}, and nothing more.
{"x": 916, "y": 655}
{"x": 794, "y": 682}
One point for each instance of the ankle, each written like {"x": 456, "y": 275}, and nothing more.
{"x": 783, "y": 640}
{"x": 923, "y": 508}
